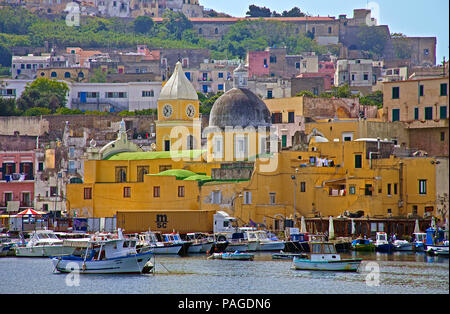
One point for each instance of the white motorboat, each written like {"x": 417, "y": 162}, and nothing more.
{"x": 43, "y": 243}
{"x": 323, "y": 257}
{"x": 174, "y": 238}
{"x": 200, "y": 242}
{"x": 110, "y": 256}
{"x": 438, "y": 249}
{"x": 263, "y": 243}
{"x": 148, "y": 241}
{"x": 403, "y": 245}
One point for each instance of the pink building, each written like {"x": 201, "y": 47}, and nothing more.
{"x": 258, "y": 63}
{"x": 17, "y": 167}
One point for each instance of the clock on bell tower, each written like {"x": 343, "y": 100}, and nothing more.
{"x": 178, "y": 126}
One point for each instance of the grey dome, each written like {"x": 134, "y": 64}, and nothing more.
{"x": 239, "y": 107}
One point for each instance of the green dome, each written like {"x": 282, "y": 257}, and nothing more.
{"x": 198, "y": 177}
{"x": 181, "y": 174}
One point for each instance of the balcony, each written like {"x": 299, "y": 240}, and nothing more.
{"x": 17, "y": 177}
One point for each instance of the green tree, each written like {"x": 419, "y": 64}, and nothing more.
{"x": 255, "y": 11}
{"x": 372, "y": 39}
{"x": 43, "y": 93}
{"x": 5, "y": 56}
{"x": 98, "y": 76}
{"x": 294, "y": 12}
{"x": 143, "y": 24}
{"x": 37, "y": 111}
{"x": 8, "y": 107}
{"x": 306, "y": 93}
{"x": 373, "y": 99}
{"x": 176, "y": 23}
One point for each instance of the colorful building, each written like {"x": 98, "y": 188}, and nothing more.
{"x": 357, "y": 177}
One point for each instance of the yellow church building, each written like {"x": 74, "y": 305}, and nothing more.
{"x": 241, "y": 171}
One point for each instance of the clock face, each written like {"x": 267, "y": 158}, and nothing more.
{"x": 190, "y": 111}
{"x": 167, "y": 111}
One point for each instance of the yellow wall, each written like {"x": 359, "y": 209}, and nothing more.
{"x": 285, "y": 105}
{"x": 179, "y": 118}
{"x": 409, "y": 98}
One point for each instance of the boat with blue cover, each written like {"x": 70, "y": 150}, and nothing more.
{"x": 361, "y": 244}
{"x": 233, "y": 256}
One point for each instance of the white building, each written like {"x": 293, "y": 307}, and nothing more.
{"x": 110, "y": 97}
{"x": 355, "y": 73}
{"x": 26, "y": 67}
{"x": 114, "y": 97}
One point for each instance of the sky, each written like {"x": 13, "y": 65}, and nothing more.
{"x": 414, "y": 18}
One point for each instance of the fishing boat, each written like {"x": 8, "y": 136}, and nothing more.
{"x": 148, "y": 241}
{"x": 200, "y": 242}
{"x": 7, "y": 245}
{"x": 109, "y": 256}
{"x": 323, "y": 257}
{"x": 363, "y": 245}
{"x": 403, "y": 245}
{"x": 263, "y": 242}
{"x": 420, "y": 240}
{"x": 237, "y": 256}
{"x": 43, "y": 243}
{"x": 437, "y": 241}
{"x": 382, "y": 244}
{"x": 239, "y": 243}
{"x": 174, "y": 238}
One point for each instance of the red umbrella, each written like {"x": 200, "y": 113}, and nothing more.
{"x": 29, "y": 212}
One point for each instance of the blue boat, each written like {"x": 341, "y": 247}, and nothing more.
{"x": 437, "y": 241}
{"x": 382, "y": 244}
{"x": 363, "y": 245}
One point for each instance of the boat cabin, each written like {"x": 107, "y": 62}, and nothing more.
{"x": 420, "y": 237}
{"x": 173, "y": 238}
{"x": 323, "y": 251}
{"x": 435, "y": 237}
{"x": 381, "y": 237}
{"x": 258, "y": 235}
{"x": 44, "y": 237}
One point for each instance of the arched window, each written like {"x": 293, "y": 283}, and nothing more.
{"x": 216, "y": 31}
{"x": 67, "y": 75}
{"x": 200, "y": 31}
{"x": 81, "y": 75}
{"x": 53, "y": 74}
{"x": 190, "y": 142}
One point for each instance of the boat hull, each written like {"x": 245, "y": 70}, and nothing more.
{"x": 195, "y": 248}
{"x": 363, "y": 247}
{"x": 163, "y": 249}
{"x": 233, "y": 256}
{"x": 270, "y": 246}
{"x": 122, "y": 265}
{"x": 233, "y": 247}
{"x": 44, "y": 251}
{"x": 437, "y": 250}
{"x": 404, "y": 247}
{"x": 386, "y": 248}
{"x": 351, "y": 265}
{"x": 206, "y": 247}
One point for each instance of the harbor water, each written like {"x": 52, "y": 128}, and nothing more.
{"x": 380, "y": 273}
